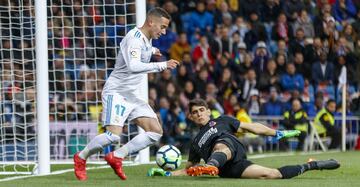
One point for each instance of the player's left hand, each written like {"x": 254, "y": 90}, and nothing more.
{"x": 172, "y": 64}
{"x": 157, "y": 52}
{"x": 287, "y": 134}
{"x": 158, "y": 172}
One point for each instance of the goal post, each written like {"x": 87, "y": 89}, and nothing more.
{"x": 42, "y": 88}
{"x": 54, "y": 61}
{"x": 144, "y": 154}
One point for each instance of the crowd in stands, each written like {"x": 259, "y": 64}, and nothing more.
{"x": 257, "y": 55}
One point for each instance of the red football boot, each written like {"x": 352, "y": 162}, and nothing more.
{"x": 202, "y": 170}
{"x": 116, "y": 164}
{"x": 80, "y": 167}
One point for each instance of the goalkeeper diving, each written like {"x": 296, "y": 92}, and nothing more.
{"x": 224, "y": 154}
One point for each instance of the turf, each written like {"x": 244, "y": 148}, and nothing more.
{"x": 346, "y": 175}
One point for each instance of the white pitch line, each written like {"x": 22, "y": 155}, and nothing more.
{"x": 101, "y": 167}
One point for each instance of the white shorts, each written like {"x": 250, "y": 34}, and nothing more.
{"x": 117, "y": 109}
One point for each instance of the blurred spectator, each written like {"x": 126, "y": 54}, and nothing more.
{"x": 249, "y": 139}
{"x": 356, "y": 23}
{"x": 273, "y": 107}
{"x": 344, "y": 11}
{"x": 220, "y": 65}
{"x": 239, "y": 55}
{"x": 188, "y": 93}
{"x": 223, "y": 14}
{"x": 270, "y": 10}
{"x": 261, "y": 57}
{"x": 357, "y": 78}
{"x": 254, "y": 104}
{"x": 248, "y": 84}
{"x": 312, "y": 110}
{"x": 304, "y": 22}
{"x": 343, "y": 47}
{"x": 350, "y": 71}
{"x": 202, "y": 50}
{"x": 297, "y": 119}
{"x": 153, "y": 98}
{"x": 165, "y": 78}
{"x": 325, "y": 124}
{"x": 201, "y": 80}
{"x": 225, "y": 42}
{"x": 323, "y": 71}
{"x": 244, "y": 67}
{"x": 291, "y": 80}
{"x": 350, "y": 36}
{"x": 282, "y": 29}
{"x": 165, "y": 42}
{"x": 199, "y": 20}
{"x": 292, "y": 8}
{"x": 281, "y": 64}
{"x": 257, "y": 31}
{"x": 175, "y": 22}
{"x": 282, "y": 49}
{"x": 270, "y": 78}
{"x": 172, "y": 92}
{"x": 249, "y": 7}
{"x": 187, "y": 62}
{"x": 298, "y": 43}
{"x": 330, "y": 34}
{"x": 182, "y": 76}
{"x": 302, "y": 68}
{"x": 308, "y": 94}
{"x": 231, "y": 105}
{"x": 313, "y": 48}
{"x": 180, "y": 47}
{"x": 240, "y": 27}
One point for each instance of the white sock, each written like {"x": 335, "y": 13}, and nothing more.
{"x": 138, "y": 143}
{"x": 98, "y": 143}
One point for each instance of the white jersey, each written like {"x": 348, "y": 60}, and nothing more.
{"x": 132, "y": 65}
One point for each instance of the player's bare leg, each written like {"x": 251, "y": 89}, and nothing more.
{"x": 260, "y": 172}
{"x": 255, "y": 171}
{"x": 220, "y": 155}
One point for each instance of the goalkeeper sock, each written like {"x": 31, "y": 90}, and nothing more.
{"x": 138, "y": 143}
{"x": 217, "y": 159}
{"x": 288, "y": 172}
{"x": 98, "y": 143}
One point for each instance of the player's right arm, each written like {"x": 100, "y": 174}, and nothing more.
{"x": 131, "y": 52}
{"x": 258, "y": 128}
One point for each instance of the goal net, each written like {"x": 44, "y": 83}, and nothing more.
{"x": 83, "y": 41}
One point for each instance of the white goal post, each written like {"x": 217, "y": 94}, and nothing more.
{"x": 50, "y": 85}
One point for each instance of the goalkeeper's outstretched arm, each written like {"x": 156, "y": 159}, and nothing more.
{"x": 260, "y": 129}
{"x": 257, "y": 128}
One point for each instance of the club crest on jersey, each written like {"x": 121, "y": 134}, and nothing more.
{"x": 133, "y": 54}
{"x": 212, "y": 123}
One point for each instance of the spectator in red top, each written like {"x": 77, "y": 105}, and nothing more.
{"x": 202, "y": 50}
{"x": 282, "y": 29}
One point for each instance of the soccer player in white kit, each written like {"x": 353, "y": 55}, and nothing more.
{"x": 120, "y": 96}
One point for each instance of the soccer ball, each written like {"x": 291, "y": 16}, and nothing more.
{"x": 168, "y": 157}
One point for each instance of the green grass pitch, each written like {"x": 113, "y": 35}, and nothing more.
{"x": 347, "y": 175}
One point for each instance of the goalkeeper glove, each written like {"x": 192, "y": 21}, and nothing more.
{"x": 158, "y": 172}
{"x": 286, "y": 134}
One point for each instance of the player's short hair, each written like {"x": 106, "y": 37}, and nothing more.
{"x": 159, "y": 12}
{"x": 197, "y": 102}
